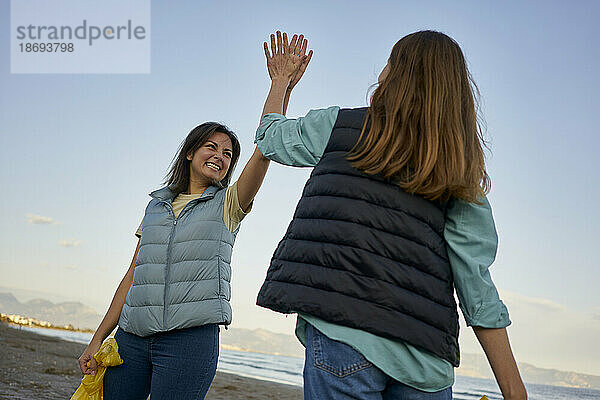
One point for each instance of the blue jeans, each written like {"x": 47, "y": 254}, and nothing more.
{"x": 334, "y": 370}
{"x": 179, "y": 364}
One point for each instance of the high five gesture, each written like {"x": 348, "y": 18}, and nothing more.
{"x": 286, "y": 63}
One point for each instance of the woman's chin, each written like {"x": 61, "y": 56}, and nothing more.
{"x": 209, "y": 177}
{"x": 213, "y": 179}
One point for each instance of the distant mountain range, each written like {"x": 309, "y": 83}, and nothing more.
{"x": 476, "y": 366}
{"x": 261, "y": 341}
{"x": 264, "y": 341}
{"x": 74, "y": 313}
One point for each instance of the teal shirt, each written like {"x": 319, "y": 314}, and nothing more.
{"x": 471, "y": 242}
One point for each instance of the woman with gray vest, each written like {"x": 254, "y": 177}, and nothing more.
{"x": 393, "y": 219}
{"x": 176, "y": 292}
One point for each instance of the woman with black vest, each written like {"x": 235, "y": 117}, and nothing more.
{"x": 176, "y": 292}
{"x": 393, "y": 219}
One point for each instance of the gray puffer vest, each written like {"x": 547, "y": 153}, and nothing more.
{"x": 182, "y": 272}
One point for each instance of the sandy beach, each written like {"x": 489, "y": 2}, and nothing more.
{"x": 40, "y": 367}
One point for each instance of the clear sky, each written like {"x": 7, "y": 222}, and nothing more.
{"x": 79, "y": 153}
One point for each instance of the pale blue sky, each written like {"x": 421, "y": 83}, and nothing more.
{"x": 85, "y": 150}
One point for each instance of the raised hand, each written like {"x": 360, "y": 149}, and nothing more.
{"x": 287, "y": 62}
{"x": 305, "y": 60}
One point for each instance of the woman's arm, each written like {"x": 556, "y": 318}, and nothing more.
{"x": 472, "y": 242}
{"x": 284, "y": 68}
{"x": 110, "y": 320}
{"x": 496, "y": 346}
{"x": 251, "y": 178}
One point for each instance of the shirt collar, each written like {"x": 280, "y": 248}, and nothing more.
{"x": 166, "y": 194}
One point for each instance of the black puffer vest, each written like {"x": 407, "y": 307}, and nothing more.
{"x": 362, "y": 253}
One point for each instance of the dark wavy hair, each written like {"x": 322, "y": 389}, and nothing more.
{"x": 178, "y": 177}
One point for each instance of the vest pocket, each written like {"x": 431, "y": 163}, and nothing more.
{"x": 337, "y": 358}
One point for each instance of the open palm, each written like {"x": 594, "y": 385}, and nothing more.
{"x": 287, "y": 61}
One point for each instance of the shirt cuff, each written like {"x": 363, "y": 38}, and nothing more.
{"x": 489, "y": 315}
{"x": 265, "y": 122}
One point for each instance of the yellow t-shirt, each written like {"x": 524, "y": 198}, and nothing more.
{"x": 232, "y": 213}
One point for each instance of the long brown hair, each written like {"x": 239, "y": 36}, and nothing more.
{"x": 178, "y": 177}
{"x": 421, "y": 129}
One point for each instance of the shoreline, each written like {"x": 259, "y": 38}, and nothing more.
{"x": 15, "y": 384}
{"x": 50, "y": 327}
{"x": 45, "y": 367}
{"x": 19, "y": 320}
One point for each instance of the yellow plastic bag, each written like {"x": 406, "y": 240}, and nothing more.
{"x": 91, "y": 385}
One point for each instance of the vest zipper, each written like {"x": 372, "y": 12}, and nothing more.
{"x": 167, "y": 268}
{"x": 168, "y": 265}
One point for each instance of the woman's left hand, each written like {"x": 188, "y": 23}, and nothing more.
{"x": 305, "y": 60}
{"x": 285, "y": 61}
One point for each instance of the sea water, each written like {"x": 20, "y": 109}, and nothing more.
{"x": 288, "y": 370}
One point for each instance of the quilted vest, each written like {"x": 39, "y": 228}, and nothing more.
{"x": 182, "y": 272}
{"x": 361, "y": 252}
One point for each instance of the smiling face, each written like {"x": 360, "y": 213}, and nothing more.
{"x": 210, "y": 162}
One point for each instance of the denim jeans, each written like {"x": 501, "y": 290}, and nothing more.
{"x": 179, "y": 364}
{"x": 334, "y": 370}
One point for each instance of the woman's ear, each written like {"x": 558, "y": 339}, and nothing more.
{"x": 189, "y": 156}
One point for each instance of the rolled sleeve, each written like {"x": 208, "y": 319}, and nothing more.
{"x": 472, "y": 241}
{"x": 296, "y": 142}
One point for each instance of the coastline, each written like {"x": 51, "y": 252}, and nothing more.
{"x": 45, "y": 367}
{"x": 15, "y": 319}
{"x": 35, "y": 364}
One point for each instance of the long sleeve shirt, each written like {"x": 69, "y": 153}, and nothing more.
{"x": 471, "y": 243}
